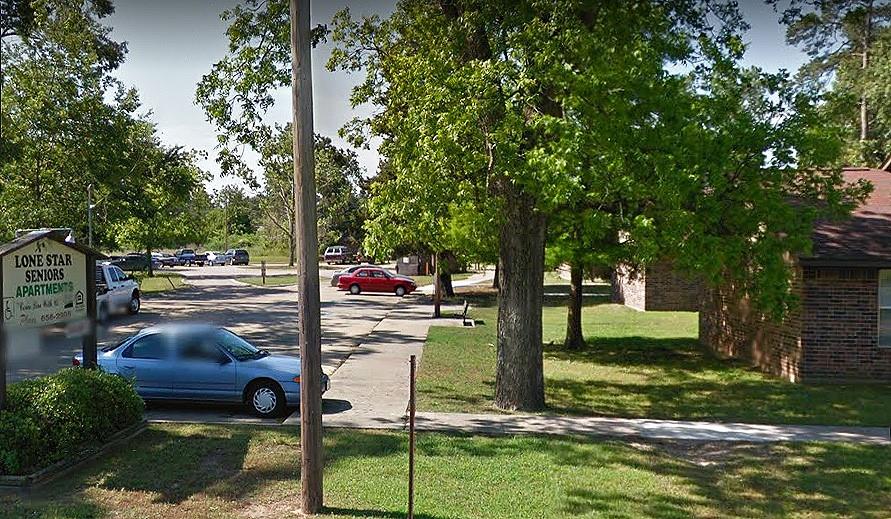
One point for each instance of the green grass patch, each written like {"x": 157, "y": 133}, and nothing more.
{"x": 160, "y": 282}
{"x": 185, "y": 471}
{"x": 271, "y": 281}
{"x": 270, "y": 259}
{"x": 640, "y": 365}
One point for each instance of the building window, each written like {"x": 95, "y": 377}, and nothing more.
{"x": 885, "y": 308}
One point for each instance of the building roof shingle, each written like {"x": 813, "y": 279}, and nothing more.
{"x": 863, "y": 239}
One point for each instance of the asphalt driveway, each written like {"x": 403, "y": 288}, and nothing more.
{"x": 266, "y": 316}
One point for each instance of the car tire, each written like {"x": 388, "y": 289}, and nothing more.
{"x": 135, "y": 304}
{"x": 400, "y": 291}
{"x": 266, "y": 399}
{"x": 355, "y": 290}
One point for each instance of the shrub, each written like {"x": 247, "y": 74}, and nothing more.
{"x": 50, "y": 418}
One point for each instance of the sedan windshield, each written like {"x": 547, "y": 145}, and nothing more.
{"x": 238, "y": 347}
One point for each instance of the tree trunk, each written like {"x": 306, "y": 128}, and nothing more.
{"x": 575, "y": 340}
{"x": 519, "y": 380}
{"x": 148, "y": 254}
{"x": 867, "y": 35}
{"x": 437, "y": 288}
{"x": 496, "y": 281}
{"x": 447, "y": 288}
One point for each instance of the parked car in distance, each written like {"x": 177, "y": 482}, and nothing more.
{"x": 188, "y": 257}
{"x": 376, "y": 279}
{"x": 132, "y": 261}
{"x": 339, "y": 254}
{"x": 218, "y": 258}
{"x": 115, "y": 291}
{"x": 335, "y": 278}
{"x": 163, "y": 259}
{"x": 239, "y": 257}
{"x": 201, "y": 362}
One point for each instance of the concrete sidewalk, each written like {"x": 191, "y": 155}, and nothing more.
{"x": 370, "y": 389}
{"x": 496, "y": 424}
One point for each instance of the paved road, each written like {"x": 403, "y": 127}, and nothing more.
{"x": 266, "y": 316}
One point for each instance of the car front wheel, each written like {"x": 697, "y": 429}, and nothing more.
{"x": 355, "y": 290}
{"x": 266, "y": 399}
{"x": 135, "y": 304}
{"x": 400, "y": 291}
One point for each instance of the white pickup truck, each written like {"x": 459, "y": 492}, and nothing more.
{"x": 115, "y": 292}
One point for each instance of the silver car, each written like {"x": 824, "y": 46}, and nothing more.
{"x": 218, "y": 258}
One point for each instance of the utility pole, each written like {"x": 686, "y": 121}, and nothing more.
{"x": 309, "y": 308}
{"x": 90, "y": 215}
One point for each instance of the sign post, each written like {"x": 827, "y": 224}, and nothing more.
{"x": 45, "y": 282}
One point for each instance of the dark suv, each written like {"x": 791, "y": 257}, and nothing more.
{"x": 239, "y": 256}
{"x": 132, "y": 261}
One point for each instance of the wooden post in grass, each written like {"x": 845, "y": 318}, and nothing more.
{"x": 263, "y": 271}
{"x": 309, "y": 306}
{"x": 411, "y": 439}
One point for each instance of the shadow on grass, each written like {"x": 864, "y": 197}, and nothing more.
{"x": 677, "y": 378}
{"x": 684, "y": 478}
{"x": 579, "y": 475}
{"x": 355, "y": 512}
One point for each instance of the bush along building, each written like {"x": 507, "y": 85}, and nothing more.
{"x": 841, "y": 329}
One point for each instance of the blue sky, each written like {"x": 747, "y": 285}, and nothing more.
{"x": 172, "y": 43}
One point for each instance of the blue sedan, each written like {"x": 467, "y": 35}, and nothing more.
{"x": 206, "y": 363}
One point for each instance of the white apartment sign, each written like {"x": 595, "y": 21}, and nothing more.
{"x": 44, "y": 283}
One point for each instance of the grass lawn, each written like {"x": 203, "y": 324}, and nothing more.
{"x": 270, "y": 259}
{"x": 271, "y": 281}
{"x": 161, "y": 282}
{"x": 637, "y": 364}
{"x": 186, "y": 471}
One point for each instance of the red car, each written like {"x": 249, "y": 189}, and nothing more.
{"x": 373, "y": 279}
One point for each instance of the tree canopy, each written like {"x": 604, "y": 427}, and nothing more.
{"x": 68, "y": 123}
{"x": 637, "y": 114}
{"x": 849, "y": 46}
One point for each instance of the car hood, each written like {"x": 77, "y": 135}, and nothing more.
{"x": 404, "y": 278}
{"x": 288, "y": 364}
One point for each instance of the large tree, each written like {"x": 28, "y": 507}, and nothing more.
{"x": 64, "y": 120}
{"x": 638, "y": 109}
{"x": 157, "y": 195}
{"x": 849, "y": 46}
{"x": 552, "y": 107}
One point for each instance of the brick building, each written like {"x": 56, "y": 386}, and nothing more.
{"x": 657, "y": 287}
{"x": 841, "y": 329}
